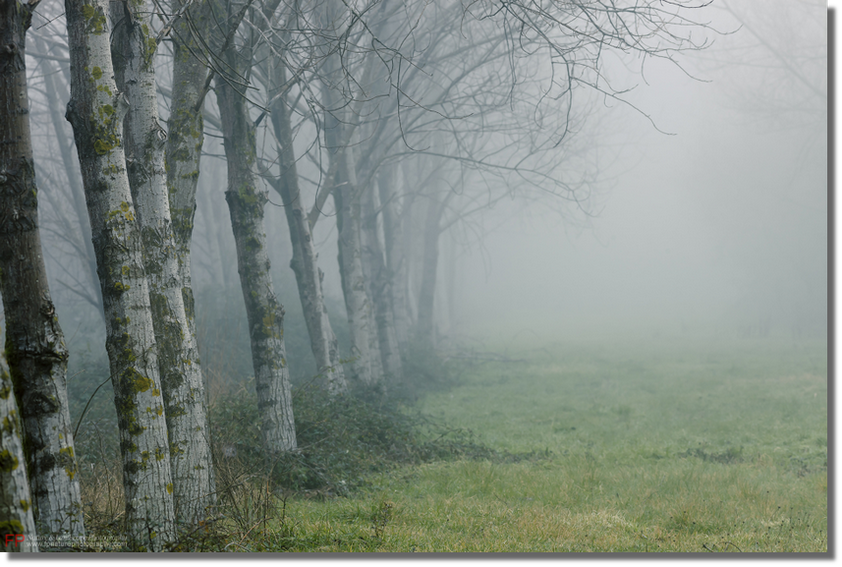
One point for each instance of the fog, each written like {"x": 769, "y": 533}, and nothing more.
{"x": 714, "y": 225}
{"x": 706, "y": 208}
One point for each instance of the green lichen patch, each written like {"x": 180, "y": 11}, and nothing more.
{"x": 8, "y": 462}
{"x": 12, "y": 526}
{"x": 10, "y": 423}
{"x": 137, "y": 381}
{"x": 95, "y": 21}
{"x": 67, "y": 461}
{"x": 127, "y": 446}
{"x": 175, "y": 449}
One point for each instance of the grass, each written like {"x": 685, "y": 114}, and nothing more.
{"x": 581, "y": 446}
{"x": 679, "y": 447}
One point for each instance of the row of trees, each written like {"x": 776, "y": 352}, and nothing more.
{"x": 394, "y": 120}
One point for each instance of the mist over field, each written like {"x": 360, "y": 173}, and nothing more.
{"x": 378, "y": 275}
{"x": 719, "y": 229}
{"x": 705, "y": 207}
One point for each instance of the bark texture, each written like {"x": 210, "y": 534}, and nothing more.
{"x": 16, "y": 514}
{"x": 185, "y": 139}
{"x": 35, "y": 347}
{"x": 246, "y": 201}
{"x": 96, "y": 112}
{"x": 304, "y": 261}
{"x": 379, "y": 289}
{"x": 178, "y": 355}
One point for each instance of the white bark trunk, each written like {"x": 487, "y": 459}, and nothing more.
{"x": 246, "y": 202}
{"x": 178, "y": 355}
{"x": 16, "y": 517}
{"x": 379, "y": 289}
{"x": 357, "y": 304}
{"x": 96, "y": 113}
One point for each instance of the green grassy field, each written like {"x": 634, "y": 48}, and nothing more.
{"x": 669, "y": 447}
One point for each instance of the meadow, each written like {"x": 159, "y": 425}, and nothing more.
{"x": 601, "y": 447}
{"x": 577, "y": 446}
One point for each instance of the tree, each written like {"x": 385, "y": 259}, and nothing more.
{"x": 178, "y": 356}
{"x": 304, "y": 262}
{"x": 35, "y": 345}
{"x": 96, "y": 111}
{"x": 246, "y": 201}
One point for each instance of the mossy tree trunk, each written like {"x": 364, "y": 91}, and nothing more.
{"x": 304, "y": 262}
{"x": 185, "y": 128}
{"x": 178, "y": 356}
{"x": 16, "y": 513}
{"x": 379, "y": 288}
{"x": 96, "y": 112}
{"x": 35, "y": 346}
{"x": 246, "y": 202}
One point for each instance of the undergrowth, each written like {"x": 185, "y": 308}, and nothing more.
{"x": 343, "y": 442}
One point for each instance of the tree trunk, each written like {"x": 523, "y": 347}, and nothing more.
{"x": 365, "y": 363}
{"x": 425, "y": 329}
{"x": 357, "y": 303}
{"x": 379, "y": 289}
{"x": 304, "y": 262}
{"x": 265, "y": 315}
{"x": 16, "y": 514}
{"x": 396, "y": 263}
{"x": 96, "y": 112}
{"x": 35, "y": 346}
{"x": 178, "y": 355}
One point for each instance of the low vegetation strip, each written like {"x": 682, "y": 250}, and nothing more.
{"x": 700, "y": 448}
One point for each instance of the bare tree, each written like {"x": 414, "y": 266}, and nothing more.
{"x": 96, "y": 111}
{"x": 178, "y": 356}
{"x": 246, "y": 201}
{"x": 35, "y": 345}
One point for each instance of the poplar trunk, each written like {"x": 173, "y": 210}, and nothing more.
{"x": 379, "y": 289}
{"x": 35, "y": 348}
{"x": 396, "y": 264}
{"x": 246, "y": 201}
{"x": 178, "y": 355}
{"x": 304, "y": 261}
{"x": 96, "y": 111}
{"x": 357, "y": 305}
{"x": 365, "y": 364}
